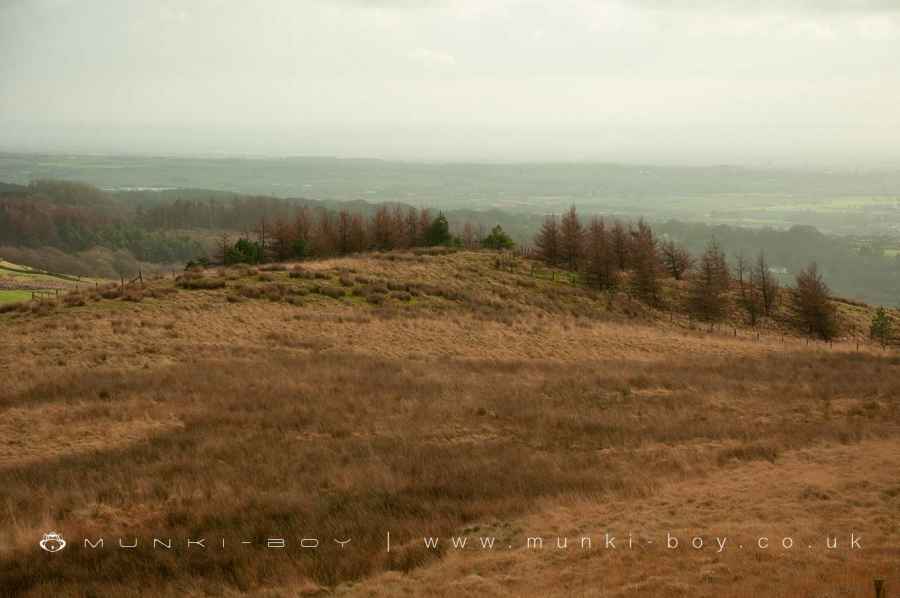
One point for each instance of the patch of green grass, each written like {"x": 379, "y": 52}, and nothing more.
{"x": 13, "y": 296}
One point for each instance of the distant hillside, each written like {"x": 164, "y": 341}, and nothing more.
{"x": 837, "y": 201}
{"x": 10, "y": 188}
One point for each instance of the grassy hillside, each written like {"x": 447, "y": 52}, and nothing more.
{"x": 430, "y": 394}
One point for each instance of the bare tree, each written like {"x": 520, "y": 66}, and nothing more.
{"x": 601, "y": 263}
{"x": 709, "y": 285}
{"x": 303, "y": 225}
{"x": 262, "y": 232}
{"x": 468, "y": 235}
{"x": 571, "y": 239}
{"x": 223, "y": 246}
{"x": 765, "y": 283}
{"x": 357, "y": 241}
{"x": 741, "y": 269}
{"x": 325, "y": 243}
{"x": 382, "y": 230}
{"x": 645, "y": 263}
{"x": 343, "y": 232}
{"x": 398, "y": 229}
{"x": 676, "y": 259}
{"x": 410, "y": 228}
{"x": 547, "y": 240}
{"x": 812, "y": 308}
{"x": 422, "y": 227}
{"x": 620, "y": 245}
{"x": 283, "y": 236}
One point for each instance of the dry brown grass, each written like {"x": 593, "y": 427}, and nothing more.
{"x": 464, "y": 398}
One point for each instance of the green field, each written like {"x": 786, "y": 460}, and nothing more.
{"x": 15, "y": 276}
{"x": 13, "y": 296}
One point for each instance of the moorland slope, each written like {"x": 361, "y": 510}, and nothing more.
{"x": 430, "y": 394}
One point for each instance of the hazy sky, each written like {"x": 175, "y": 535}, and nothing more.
{"x": 701, "y": 81}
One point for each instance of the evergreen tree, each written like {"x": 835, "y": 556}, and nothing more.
{"x": 881, "y": 327}
{"x": 498, "y": 239}
{"x": 438, "y": 231}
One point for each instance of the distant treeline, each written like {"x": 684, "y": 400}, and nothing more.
{"x": 74, "y": 217}
{"x": 177, "y": 225}
{"x": 165, "y": 227}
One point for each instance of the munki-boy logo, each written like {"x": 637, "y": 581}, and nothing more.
{"x": 52, "y": 542}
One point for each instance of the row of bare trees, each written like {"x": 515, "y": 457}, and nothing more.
{"x": 610, "y": 254}
{"x": 319, "y": 232}
{"x": 602, "y": 251}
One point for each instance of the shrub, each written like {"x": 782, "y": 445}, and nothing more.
{"x": 375, "y": 298}
{"x": 41, "y": 308}
{"x": 19, "y": 306}
{"x": 158, "y": 292}
{"x": 73, "y": 299}
{"x": 333, "y": 292}
{"x": 249, "y": 291}
{"x": 748, "y": 452}
{"x": 198, "y": 282}
{"x": 273, "y": 292}
{"x": 498, "y": 239}
{"x": 241, "y": 271}
{"x": 111, "y": 292}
